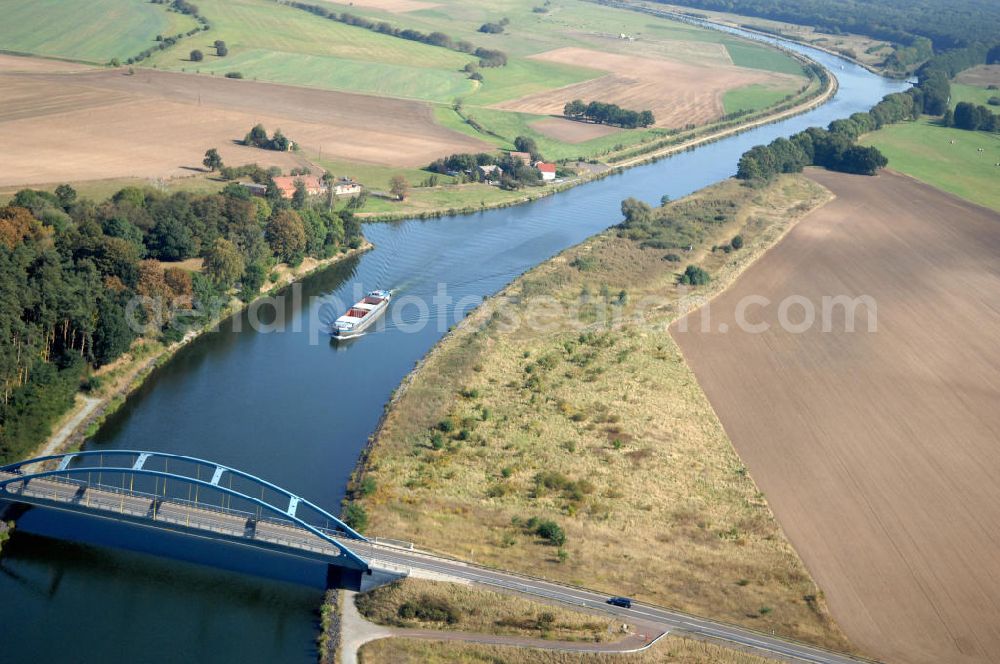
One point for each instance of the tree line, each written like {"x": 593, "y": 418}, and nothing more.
{"x": 516, "y": 173}
{"x": 835, "y": 148}
{"x": 81, "y": 280}
{"x": 949, "y": 25}
{"x": 609, "y": 114}
{"x": 487, "y": 57}
{"x": 163, "y": 43}
{"x": 972, "y": 117}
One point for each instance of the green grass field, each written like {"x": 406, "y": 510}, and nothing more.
{"x": 524, "y": 77}
{"x": 336, "y": 73}
{"x": 754, "y": 97}
{"x": 511, "y": 125}
{"x": 760, "y": 57}
{"x": 973, "y": 94}
{"x": 272, "y": 42}
{"x": 925, "y": 151}
{"x": 86, "y": 30}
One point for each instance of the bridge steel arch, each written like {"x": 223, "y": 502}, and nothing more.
{"x": 19, "y": 473}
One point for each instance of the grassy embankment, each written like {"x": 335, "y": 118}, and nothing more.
{"x": 603, "y": 431}
{"x": 5, "y": 529}
{"x": 667, "y": 649}
{"x": 86, "y": 30}
{"x": 416, "y": 603}
{"x": 944, "y": 157}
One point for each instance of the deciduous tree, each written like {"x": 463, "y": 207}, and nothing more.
{"x": 286, "y": 235}
{"x": 399, "y": 187}
{"x": 224, "y": 263}
{"x": 212, "y": 160}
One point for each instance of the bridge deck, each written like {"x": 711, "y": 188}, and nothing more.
{"x": 210, "y": 519}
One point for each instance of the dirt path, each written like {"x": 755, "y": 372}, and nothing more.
{"x": 878, "y": 450}
{"x": 59, "y": 438}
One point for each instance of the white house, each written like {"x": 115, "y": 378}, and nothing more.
{"x": 548, "y": 171}
{"x": 346, "y": 187}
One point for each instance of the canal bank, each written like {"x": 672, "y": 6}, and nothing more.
{"x": 90, "y": 411}
{"x": 298, "y": 412}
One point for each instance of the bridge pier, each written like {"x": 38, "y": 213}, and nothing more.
{"x": 11, "y": 511}
{"x": 357, "y": 580}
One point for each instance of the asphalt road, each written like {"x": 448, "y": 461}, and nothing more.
{"x": 662, "y": 618}
{"x": 393, "y": 557}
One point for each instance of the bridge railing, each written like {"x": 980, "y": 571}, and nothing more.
{"x": 157, "y": 515}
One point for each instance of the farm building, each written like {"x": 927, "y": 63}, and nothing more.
{"x": 286, "y": 184}
{"x": 548, "y": 171}
{"x": 525, "y": 157}
{"x": 491, "y": 173}
{"x": 254, "y": 188}
{"x": 346, "y": 187}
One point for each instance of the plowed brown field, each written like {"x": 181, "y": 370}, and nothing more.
{"x": 94, "y": 124}
{"x": 878, "y": 452}
{"x": 678, "y": 93}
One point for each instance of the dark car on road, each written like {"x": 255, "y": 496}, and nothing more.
{"x": 623, "y": 602}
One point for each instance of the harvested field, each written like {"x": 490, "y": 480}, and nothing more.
{"x": 17, "y": 63}
{"x": 571, "y": 131}
{"x": 678, "y": 93}
{"x": 105, "y": 124}
{"x": 983, "y": 75}
{"x": 877, "y": 451}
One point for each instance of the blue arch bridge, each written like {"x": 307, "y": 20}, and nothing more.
{"x": 191, "y": 497}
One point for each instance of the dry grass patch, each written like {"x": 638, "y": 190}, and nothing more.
{"x": 668, "y": 649}
{"x": 982, "y": 76}
{"x": 457, "y": 607}
{"x": 602, "y": 431}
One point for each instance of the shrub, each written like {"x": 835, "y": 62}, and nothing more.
{"x": 368, "y": 486}
{"x": 437, "y": 440}
{"x": 446, "y": 425}
{"x": 429, "y": 609}
{"x": 695, "y": 276}
{"x": 584, "y": 263}
{"x": 234, "y": 74}
{"x": 551, "y": 532}
{"x": 356, "y": 517}
{"x": 672, "y": 258}
{"x": 736, "y": 242}
{"x": 197, "y": 56}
